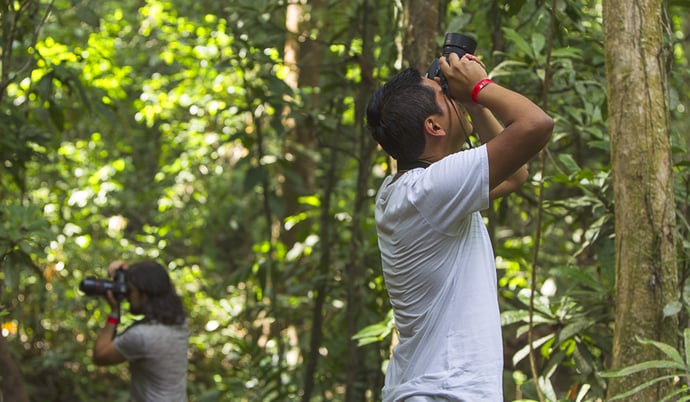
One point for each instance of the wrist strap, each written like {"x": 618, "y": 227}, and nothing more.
{"x": 478, "y": 87}
{"x": 113, "y": 319}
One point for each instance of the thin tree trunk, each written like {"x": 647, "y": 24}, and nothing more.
{"x": 422, "y": 22}
{"x": 303, "y": 55}
{"x": 646, "y": 270}
{"x": 321, "y": 287}
{"x": 357, "y": 367}
{"x": 11, "y": 383}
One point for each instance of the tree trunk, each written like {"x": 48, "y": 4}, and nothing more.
{"x": 646, "y": 270}
{"x": 302, "y": 55}
{"x": 357, "y": 366}
{"x": 11, "y": 384}
{"x": 422, "y": 22}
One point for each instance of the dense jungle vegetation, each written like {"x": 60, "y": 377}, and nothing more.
{"x": 227, "y": 140}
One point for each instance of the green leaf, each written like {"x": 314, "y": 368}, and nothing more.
{"x": 672, "y": 308}
{"x": 371, "y": 334}
{"x": 636, "y": 368}
{"x": 578, "y": 275}
{"x": 571, "y": 167}
{"x": 524, "y": 351}
{"x": 512, "y": 316}
{"x": 686, "y": 343}
{"x": 685, "y": 398}
{"x": 56, "y": 115}
{"x": 88, "y": 16}
{"x": 674, "y": 394}
{"x": 583, "y": 359}
{"x": 573, "y": 329}
{"x": 641, "y": 387}
{"x": 520, "y": 42}
{"x": 538, "y": 42}
{"x": 566, "y": 52}
{"x": 670, "y": 351}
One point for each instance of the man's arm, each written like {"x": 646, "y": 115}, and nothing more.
{"x": 487, "y": 127}
{"x": 104, "y": 351}
{"x": 527, "y": 130}
{"x": 527, "y": 127}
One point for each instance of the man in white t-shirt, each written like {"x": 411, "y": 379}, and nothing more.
{"x": 438, "y": 261}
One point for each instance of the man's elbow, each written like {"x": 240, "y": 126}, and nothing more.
{"x": 543, "y": 128}
{"x": 101, "y": 358}
{"x": 536, "y": 132}
{"x": 517, "y": 179}
{"x": 98, "y": 361}
{"x": 511, "y": 184}
{"x": 520, "y": 177}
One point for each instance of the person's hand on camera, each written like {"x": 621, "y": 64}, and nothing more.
{"x": 462, "y": 75}
{"x": 114, "y": 266}
{"x": 112, "y": 300}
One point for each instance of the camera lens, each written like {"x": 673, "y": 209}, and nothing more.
{"x": 458, "y": 44}
{"x": 95, "y": 287}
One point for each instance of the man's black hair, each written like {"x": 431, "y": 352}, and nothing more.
{"x": 396, "y": 114}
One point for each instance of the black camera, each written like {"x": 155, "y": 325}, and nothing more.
{"x": 453, "y": 43}
{"x": 99, "y": 287}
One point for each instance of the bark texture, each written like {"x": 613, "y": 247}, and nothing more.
{"x": 646, "y": 270}
{"x": 11, "y": 383}
{"x": 421, "y": 33}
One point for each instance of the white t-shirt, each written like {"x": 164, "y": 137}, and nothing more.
{"x": 439, "y": 269}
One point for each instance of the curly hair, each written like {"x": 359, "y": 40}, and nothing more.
{"x": 396, "y": 113}
{"x": 162, "y": 304}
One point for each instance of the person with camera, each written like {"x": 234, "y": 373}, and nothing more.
{"x": 156, "y": 345}
{"x": 437, "y": 258}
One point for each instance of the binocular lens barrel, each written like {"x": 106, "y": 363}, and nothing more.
{"x": 458, "y": 44}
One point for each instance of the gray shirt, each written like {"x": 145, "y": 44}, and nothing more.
{"x": 157, "y": 356}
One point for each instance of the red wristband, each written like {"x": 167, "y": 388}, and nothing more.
{"x": 478, "y": 87}
{"x": 113, "y": 320}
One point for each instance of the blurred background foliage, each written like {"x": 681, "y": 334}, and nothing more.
{"x": 172, "y": 130}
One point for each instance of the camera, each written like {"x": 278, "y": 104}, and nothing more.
{"x": 99, "y": 287}
{"x": 452, "y": 43}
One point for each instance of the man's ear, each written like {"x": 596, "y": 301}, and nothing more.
{"x": 432, "y": 127}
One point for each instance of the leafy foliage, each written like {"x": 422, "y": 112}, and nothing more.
{"x": 161, "y": 129}
{"x": 676, "y": 368}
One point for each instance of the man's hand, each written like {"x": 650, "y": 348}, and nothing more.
{"x": 462, "y": 75}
